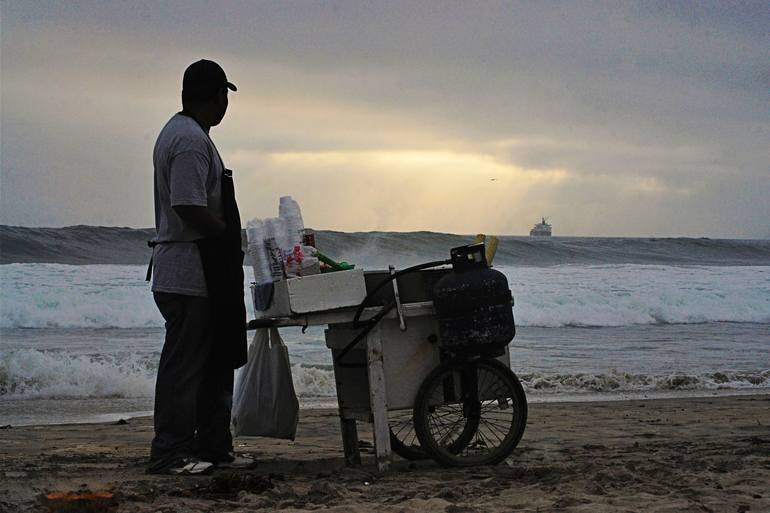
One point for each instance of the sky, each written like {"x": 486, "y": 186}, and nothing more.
{"x": 609, "y": 118}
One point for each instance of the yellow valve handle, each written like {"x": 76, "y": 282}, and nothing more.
{"x": 491, "y": 246}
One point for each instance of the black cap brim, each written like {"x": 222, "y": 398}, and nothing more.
{"x": 231, "y": 86}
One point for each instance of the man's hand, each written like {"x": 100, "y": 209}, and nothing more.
{"x": 200, "y": 220}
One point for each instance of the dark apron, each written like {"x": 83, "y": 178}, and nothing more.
{"x": 222, "y": 259}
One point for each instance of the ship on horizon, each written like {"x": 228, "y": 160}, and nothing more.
{"x": 541, "y": 229}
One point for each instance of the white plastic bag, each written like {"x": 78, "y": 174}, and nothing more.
{"x": 264, "y": 401}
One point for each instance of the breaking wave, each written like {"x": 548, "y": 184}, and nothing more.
{"x": 114, "y": 245}
{"x": 30, "y": 373}
{"x": 116, "y": 296}
{"x": 625, "y": 382}
{"x": 41, "y": 374}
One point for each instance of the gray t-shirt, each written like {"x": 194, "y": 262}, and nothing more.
{"x": 188, "y": 171}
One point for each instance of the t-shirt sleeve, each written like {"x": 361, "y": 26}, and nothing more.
{"x": 188, "y": 174}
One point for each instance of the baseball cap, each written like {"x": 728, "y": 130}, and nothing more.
{"x": 204, "y": 77}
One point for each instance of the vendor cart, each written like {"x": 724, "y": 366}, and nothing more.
{"x": 410, "y": 356}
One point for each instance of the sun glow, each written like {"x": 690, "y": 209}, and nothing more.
{"x": 395, "y": 189}
{"x": 448, "y": 164}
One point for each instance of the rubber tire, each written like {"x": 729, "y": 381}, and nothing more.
{"x": 408, "y": 452}
{"x": 451, "y": 458}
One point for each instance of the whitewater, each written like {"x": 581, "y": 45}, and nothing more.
{"x": 596, "y": 318}
{"x": 116, "y": 296}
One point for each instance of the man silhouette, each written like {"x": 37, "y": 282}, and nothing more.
{"x": 197, "y": 283}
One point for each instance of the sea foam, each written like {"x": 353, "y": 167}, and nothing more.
{"x": 48, "y": 374}
{"x": 31, "y": 373}
{"x": 41, "y": 374}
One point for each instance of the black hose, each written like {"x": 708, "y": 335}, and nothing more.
{"x": 390, "y": 278}
{"x": 371, "y": 323}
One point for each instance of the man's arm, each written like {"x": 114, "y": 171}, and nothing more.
{"x": 200, "y": 220}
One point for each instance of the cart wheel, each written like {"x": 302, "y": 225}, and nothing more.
{"x": 403, "y": 439}
{"x": 403, "y": 436}
{"x": 483, "y": 393}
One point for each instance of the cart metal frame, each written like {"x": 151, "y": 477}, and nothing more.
{"x": 394, "y": 362}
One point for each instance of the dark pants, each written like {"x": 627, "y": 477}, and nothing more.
{"x": 194, "y": 392}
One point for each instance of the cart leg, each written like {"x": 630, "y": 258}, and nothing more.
{"x": 378, "y": 399}
{"x": 350, "y": 442}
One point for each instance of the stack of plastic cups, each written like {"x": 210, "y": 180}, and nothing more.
{"x": 289, "y": 211}
{"x": 275, "y": 227}
{"x": 256, "y": 232}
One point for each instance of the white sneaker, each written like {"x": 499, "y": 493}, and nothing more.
{"x": 191, "y": 467}
{"x": 238, "y": 461}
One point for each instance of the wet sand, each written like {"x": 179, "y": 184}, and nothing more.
{"x": 705, "y": 454}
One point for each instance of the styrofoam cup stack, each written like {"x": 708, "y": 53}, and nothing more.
{"x": 275, "y": 227}
{"x": 261, "y": 263}
{"x": 289, "y": 211}
{"x": 283, "y": 234}
{"x": 256, "y": 233}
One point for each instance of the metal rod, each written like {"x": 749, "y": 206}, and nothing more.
{"x": 399, "y": 308}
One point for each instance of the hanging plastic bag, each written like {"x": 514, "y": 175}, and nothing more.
{"x": 264, "y": 401}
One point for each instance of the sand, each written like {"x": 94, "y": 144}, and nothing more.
{"x": 705, "y": 454}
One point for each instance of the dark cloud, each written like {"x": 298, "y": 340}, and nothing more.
{"x": 642, "y": 103}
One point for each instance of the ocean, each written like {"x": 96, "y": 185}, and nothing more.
{"x": 597, "y": 318}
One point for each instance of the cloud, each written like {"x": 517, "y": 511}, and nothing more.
{"x": 450, "y": 191}
{"x": 633, "y": 119}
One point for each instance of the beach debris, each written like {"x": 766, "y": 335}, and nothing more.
{"x": 232, "y": 483}
{"x": 324, "y": 492}
{"x": 121, "y": 422}
{"x": 366, "y": 447}
{"x": 83, "y": 501}
{"x": 7, "y": 426}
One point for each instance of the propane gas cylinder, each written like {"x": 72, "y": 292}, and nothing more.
{"x": 473, "y": 305}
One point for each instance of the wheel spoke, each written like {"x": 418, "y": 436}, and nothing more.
{"x": 441, "y": 429}
{"x": 491, "y": 430}
{"x": 452, "y": 430}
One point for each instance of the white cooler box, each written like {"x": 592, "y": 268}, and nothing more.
{"x": 315, "y": 293}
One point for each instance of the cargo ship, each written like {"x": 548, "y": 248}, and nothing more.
{"x": 541, "y": 229}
